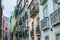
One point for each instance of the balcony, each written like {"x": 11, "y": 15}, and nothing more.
{"x": 42, "y": 1}
{"x": 20, "y": 22}
{"x": 26, "y": 33}
{"x": 55, "y": 17}
{"x": 21, "y": 9}
{"x": 45, "y": 23}
{"x": 16, "y": 12}
{"x": 20, "y": 34}
{"x": 23, "y": 17}
{"x": 34, "y": 10}
{"x": 26, "y": 14}
{"x": 57, "y": 1}
{"x": 23, "y": 33}
{"x": 37, "y": 30}
{"x": 32, "y": 33}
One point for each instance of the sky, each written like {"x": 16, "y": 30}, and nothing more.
{"x": 8, "y": 7}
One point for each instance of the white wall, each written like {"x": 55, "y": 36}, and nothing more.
{"x": 48, "y": 32}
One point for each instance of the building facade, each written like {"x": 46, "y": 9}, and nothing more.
{"x": 1, "y": 19}
{"x": 21, "y": 16}
{"x": 6, "y": 28}
{"x": 37, "y": 20}
{"x": 34, "y": 27}
{"x": 49, "y": 11}
{"x": 12, "y": 24}
{"x": 27, "y": 19}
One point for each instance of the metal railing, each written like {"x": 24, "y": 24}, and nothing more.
{"x": 55, "y": 17}
{"x": 34, "y": 9}
{"x": 45, "y": 23}
{"x": 24, "y": 31}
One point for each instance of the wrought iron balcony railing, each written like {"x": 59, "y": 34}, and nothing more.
{"x": 26, "y": 14}
{"x": 45, "y": 23}
{"x": 34, "y": 9}
{"x": 20, "y": 34}
{"x": 38, "y": 30}
{"x": 56, "y": 1}
{"x": 26, "y": 33}
{"x": 55, "y": 17}
{"x": 23, "y": 33}
{"x": 42, "y": 1}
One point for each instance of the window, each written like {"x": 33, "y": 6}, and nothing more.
{"x": 58, "y": 37}
{"x": 47, "y": 38}
{"x": 38, "y": 21}
{"x": 38, "y": 37}
{"x": 27, "y": 23}
{"x": 6, "y": 28}
{"x": 45, "y": 12}
{"x": 32, "y": 38}
{"x": 32, "y": 25}
{"x": 59, "y": 5}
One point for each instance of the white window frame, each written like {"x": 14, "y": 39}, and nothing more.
{"x": 45, "y": 8}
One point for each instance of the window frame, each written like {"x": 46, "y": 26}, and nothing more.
{"x": 56, "y": 33}
{"x": 46, "y": 37}
{"x": 45, "y": 8}
{"x": 38, "y": 21}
